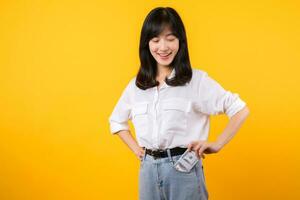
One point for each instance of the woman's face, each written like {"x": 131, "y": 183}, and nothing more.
{"x": 164, "y": 47}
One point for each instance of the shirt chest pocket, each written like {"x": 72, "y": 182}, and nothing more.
{"x": 175, "y": 116}
{"x": 140, "y": 118}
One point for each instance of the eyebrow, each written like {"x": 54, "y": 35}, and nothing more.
{"x": 170, "y": 34}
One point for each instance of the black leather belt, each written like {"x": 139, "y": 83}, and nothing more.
{"x": 160, "y": 153}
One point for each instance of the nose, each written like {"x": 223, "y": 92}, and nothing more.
{"x": 163, "y": 46}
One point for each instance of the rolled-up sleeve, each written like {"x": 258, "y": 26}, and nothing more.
{"x": 214, "y": 99}
{"x": 118, "y": 119}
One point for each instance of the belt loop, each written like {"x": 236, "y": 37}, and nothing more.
{"x": 170, "y": 156}
{"x": 144, "y": 157}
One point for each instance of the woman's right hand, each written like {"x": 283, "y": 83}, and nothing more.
{"x": 140, "y": 152}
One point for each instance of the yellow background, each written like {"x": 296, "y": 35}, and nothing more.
{"x": 64, "y": 64}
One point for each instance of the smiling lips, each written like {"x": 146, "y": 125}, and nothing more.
{"x": 164, "y": 56}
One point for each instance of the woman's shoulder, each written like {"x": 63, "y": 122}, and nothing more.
{"x": 198, "y": 73}
{"x": 131, "y": 82}
{"x": 129, "y": 87}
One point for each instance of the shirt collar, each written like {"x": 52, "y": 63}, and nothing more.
{"x": 172, "y": 74}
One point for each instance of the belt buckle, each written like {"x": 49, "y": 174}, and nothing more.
{"x": 153, "y": 153}
{"x": 157, "y": 153}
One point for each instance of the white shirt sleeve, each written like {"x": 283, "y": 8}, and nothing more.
{"x": 121, "y": 113}
{"x": 214, "y": 99}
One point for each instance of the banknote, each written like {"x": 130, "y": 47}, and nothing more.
{"x": 186, "y": 162}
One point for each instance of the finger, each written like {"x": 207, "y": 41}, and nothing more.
{"x": 197, "y": 147}
{"x": 202, "y": 148}
{"x": 140, "y": 154}
{"x": 190, "y": 146}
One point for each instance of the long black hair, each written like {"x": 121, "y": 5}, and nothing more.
{"x": 155, "y": 22}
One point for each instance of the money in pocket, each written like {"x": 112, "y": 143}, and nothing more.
{"x": 186, "y": 161}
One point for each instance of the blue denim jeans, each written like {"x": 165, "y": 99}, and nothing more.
{"x": 159, "y": 180}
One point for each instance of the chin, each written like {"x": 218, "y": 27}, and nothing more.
{"x": 166, "y": 63}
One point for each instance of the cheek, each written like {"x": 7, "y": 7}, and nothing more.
{"x": 153, "y": 48}
{"x": 175, "y": 46}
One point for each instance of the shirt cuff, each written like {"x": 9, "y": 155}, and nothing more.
{"x": 115, "y": 127}
{"x": 238, "y": 105}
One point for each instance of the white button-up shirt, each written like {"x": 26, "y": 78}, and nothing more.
{"x": 168, "y": 116}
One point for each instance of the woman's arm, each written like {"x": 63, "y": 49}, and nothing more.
{"x": 230, "y": 130}
{"x": 232, "y": 127}
{"x": 127, "y": 138}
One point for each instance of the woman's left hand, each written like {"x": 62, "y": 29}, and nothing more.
{"x": 203, "y": 146}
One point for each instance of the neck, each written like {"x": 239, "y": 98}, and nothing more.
{"x": 163, "y": 70}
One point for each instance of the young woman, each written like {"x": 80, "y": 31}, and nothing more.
{"x": 169, "y": 103}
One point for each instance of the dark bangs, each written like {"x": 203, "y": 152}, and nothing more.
{"x": 154, "y": 24}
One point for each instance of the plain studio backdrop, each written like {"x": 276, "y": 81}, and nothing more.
{"x": 64, "y": 64}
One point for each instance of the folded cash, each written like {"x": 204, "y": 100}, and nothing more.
{"x": 186, "y": 162}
